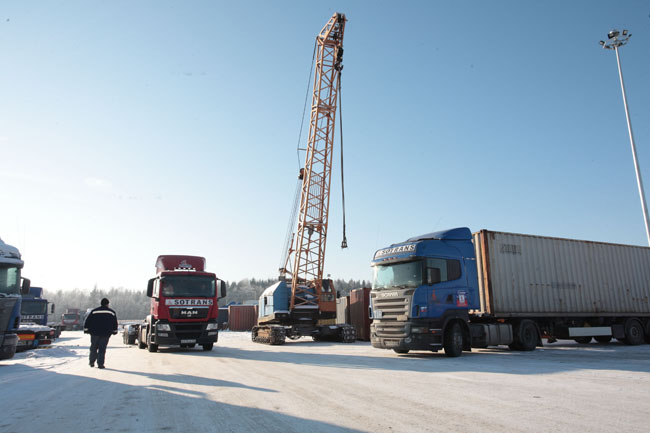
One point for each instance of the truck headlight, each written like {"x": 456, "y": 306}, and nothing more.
{"x": 163, "y": 327}
{"x": 212, "y": 326}
{"x": 419, "y": 330}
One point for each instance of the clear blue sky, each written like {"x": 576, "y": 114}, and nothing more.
{"x": 133, "y": 129}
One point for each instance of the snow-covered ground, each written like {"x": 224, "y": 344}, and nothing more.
{"x": 305, "y": 386}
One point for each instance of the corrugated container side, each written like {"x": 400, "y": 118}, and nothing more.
{"x": 241, "y": 317}
{"x": 359, "y": 317}
{"x": 526, "y": 275}
{"x": 343, "y": 310}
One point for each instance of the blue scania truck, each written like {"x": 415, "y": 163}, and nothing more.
{"x": 10, "y": 298}
{"x": 455, "y": 290}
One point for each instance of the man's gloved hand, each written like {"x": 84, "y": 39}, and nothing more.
{"x": 114, "y": 332}
{"x": 86, "y": 331}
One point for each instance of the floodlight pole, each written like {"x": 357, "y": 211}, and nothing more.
{"x": 614, "y": 44}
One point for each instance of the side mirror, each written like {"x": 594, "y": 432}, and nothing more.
{"x": 52, "y": 309}
{"x": 433, "y": 276}
{"x": 222, "y": 288}
{"x": 150, "y": 287}
{"x": 24, "y": 289}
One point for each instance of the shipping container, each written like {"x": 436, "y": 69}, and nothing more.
{"x": 241, "y": 317}
{"x": 359, "y": 317}
{"x": 343, "y": 310}
{"x": 527, "y": 275}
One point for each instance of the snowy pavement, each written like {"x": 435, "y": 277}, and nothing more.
{"x": 303, "y": 386}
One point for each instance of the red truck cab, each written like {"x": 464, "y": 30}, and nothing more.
{"x": 184, "y": 305}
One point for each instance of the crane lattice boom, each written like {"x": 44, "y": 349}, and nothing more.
{"x": 311, "y": 235}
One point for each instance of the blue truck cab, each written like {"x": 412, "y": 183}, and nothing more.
{"x": 10, "y": 298}
{"x": 422, "y": 292}
{"x": 34, "y": 307}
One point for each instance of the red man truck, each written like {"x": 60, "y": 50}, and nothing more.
{"x": 183, "y": 305}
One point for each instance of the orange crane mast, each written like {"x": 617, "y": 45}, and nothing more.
{"x": 311, "y": 235}
{"x": 308, "y": 307}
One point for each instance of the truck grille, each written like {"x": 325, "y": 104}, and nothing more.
{"x": 388, "y": 326}
{"x": 188, "y": 313}
{"x": 185, "y": 331}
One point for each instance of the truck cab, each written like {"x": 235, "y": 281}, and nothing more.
{"x": 34, "y": 308}
{"x": 184, "y": 304}
{"x": 421, "y": 288}
{"x": 10, "y": 298}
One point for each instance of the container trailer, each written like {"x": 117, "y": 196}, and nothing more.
{"x": 455, "y": 290}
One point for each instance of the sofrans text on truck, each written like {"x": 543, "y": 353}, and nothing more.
{"x": 453, "y": 290}
{"x": 184, "y": 305}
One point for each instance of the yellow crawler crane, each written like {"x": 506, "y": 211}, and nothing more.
{"x": 309, "y": 302}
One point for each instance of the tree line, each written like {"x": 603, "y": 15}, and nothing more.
{"x": 134, "y": 304}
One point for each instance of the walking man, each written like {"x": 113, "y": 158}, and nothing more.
{"x": 101, "y": 323}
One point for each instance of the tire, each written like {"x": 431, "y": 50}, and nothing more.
{"x": 525, "y": 336}
{"x": 634, "y": 334}
{"x": 208, "y": 347}
{"x": 141, "y": 344}
{"x": 647, "y": 332}
{"x": 131, "y": 339}
{"x": 583, "y": 340}
{"x": 453, "y": 340}
{"x": 401, "y": 351}
{"x": 151, "y": 347}
{"x": 603, "y": 338}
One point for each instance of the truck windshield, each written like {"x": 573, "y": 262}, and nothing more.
{"x": 199, "y": 286}
{"x": 33, "y": 307}
{"x": 70, "y": 316}
{"x": 9, "y": 280}
{"x": 408, "y": 274}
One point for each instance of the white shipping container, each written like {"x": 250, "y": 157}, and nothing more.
{"x": 526, "y": 275}
{"x": 343, "y": 310}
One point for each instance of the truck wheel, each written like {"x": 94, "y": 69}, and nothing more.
{"x": 141, "y": 344}
{"x": 583, "y": 340}
{"x": 208, "y": 347}
{"x": 603, "y": 338}
{"x": 633, "y": 332}
{"x": 453, "y": 341}
{"x": 525, "y": 336}
{"x": 647, "y": 332}
{"x": 401, "y": 351}
{"x": 151, "y": 347}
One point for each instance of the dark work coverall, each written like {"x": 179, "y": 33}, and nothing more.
{"x": 101, "y": 323}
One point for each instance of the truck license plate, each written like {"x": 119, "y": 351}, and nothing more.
{"x": 187, "y": 341}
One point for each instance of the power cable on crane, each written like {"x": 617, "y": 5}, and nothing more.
{"x": 304, "y": 107}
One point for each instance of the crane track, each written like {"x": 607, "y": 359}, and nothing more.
{"x": 273, "y": 335}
